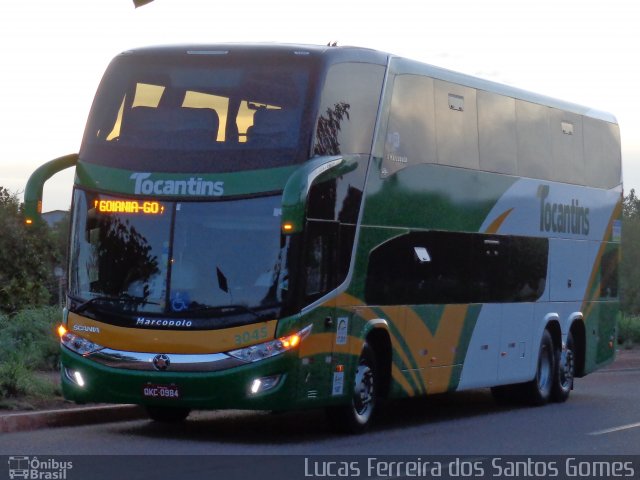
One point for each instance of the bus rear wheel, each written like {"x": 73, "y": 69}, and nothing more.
{"x": 538, "y": 390}
{"x": 564, "y": 372}
{"x": 355, "y": 417}
{"x": 167, "y": 414}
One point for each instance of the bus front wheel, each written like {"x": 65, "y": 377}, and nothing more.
{"x": 355, "y": 417}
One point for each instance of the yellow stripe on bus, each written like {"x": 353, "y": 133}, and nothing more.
{"x": 170, "y": 341}
{"x": 437, "y": 350}
{"x": 497, "y": 223}
{"x": 399, "y": 377}
{"x": 590, "y": 294}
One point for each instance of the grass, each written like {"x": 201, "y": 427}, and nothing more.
{"x": 629, "y": 331}
{"x": 28, "y": 346}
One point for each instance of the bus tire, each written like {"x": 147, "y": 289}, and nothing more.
{"x": 564, "y": 372}
{"x": 167, "y": 414}
{"x": 538, "y": 390}
{"x": 355, "y": 417}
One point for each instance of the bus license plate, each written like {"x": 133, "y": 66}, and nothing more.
{"x": 161, "y": 391}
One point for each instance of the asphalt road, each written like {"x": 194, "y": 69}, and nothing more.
{"x": 602, "y": 417}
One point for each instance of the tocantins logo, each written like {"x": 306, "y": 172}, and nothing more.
{"x": 192, "y": 186}
{"x": 562, "y": 217}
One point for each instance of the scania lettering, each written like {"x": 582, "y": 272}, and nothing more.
{"x": 85, "y": 328}
{"x": 280, "y": 227}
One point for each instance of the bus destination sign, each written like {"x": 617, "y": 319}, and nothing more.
{"x": 129, "y": 206}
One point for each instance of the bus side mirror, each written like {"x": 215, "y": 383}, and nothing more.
{"x": 296, "y": 191}
{"x": 35, "y": 184}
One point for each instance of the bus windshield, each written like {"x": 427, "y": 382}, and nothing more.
{"x": 177, "y": 258}
{"x": 205, "y": 113}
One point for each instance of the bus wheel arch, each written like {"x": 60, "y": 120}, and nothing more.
{"x": 579, "y": 333}
{"x": 380, "y": 343}
{"x": 354, "y": 416}
{"x": 371, "y": 382}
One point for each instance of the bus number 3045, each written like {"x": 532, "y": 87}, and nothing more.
{"x": 249, "y": 335}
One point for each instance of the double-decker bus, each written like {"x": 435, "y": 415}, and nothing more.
{"x": 284, "y": 226}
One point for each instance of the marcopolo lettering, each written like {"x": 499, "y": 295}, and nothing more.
{"x": 562, "y": 217}
{"x": 163, "y": 322}
{"x": 192, "y": 186}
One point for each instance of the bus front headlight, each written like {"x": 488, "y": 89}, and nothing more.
{"x": 76, "y": 343}
{"x": 272, "y": 348}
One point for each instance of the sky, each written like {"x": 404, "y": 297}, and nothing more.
{"x": 53, "y": 54}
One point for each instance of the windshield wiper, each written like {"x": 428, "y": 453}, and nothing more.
{"x": 124, "y": 298}
{"x": 225, "y": 309}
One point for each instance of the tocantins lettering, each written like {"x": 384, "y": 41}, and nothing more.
{"x": 562, "y": 217}
{"x": 192, "y": 186}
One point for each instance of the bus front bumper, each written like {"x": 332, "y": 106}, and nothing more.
{"x": 269, "y": 384}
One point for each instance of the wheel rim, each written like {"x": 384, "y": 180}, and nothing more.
{"x": 544, "y": 371}
{"x": 567, "y": 367}
{"x": 363, "y": 395}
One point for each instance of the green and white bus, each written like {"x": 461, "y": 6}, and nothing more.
{"x": 282, "y": 227}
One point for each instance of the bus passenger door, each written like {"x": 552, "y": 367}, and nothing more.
{"x": 318, "y": 275}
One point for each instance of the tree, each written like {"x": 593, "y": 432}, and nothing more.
{"x": 629, "y": 271}
{"x": 631, "y": 206}
{"x": 329, "y": 126}
{"x": 28, "y": 256}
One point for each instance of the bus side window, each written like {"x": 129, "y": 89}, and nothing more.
{"x": 411, "y": 137}
{"x": 454, "y": 267}
{"x": 348, "y": 109}
{"x": 420, "y": 268}
{"x": 320, "y": 258}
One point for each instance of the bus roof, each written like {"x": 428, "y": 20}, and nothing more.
{"x": 405, "y": 65}
{"x": 332, "y": 54}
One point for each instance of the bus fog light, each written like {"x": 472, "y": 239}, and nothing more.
{"x": 75, "y": 377}
{"x": 264, "y": 384}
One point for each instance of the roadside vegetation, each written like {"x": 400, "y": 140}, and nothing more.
{"x": 30, "y": 304}
{"x": 629, "y": 331}
{"x": 29, "y": 307}
{"x": 629, "y": 325}
{"x": 30, "y": 353}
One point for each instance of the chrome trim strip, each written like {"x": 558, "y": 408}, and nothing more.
{"x": 178, "y": 362}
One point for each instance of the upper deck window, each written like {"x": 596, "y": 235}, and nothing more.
{"x": 200, "y": 113}
{"x": 348, "y": 109}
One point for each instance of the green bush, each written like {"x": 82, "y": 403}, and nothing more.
{"x": 629, "y": 330}
{"x": 28, "y": 344}
{"x": 28, "y": 257}
{"x": 18, "y": 379}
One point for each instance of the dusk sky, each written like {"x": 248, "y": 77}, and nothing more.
{"x": 53, "y": 54}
